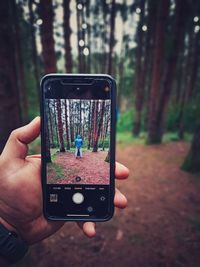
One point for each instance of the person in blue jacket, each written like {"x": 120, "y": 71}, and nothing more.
{"x": 78, "y": 145}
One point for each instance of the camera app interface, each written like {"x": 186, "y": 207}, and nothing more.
{"x": 77, "y": 138}
{"x": 78, "y": 141}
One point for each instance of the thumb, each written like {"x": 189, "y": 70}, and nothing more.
{"x": 16, "y": 146}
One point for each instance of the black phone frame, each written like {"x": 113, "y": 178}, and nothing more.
{"x": 112, "y": 144}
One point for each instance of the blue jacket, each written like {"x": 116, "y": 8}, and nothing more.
{"x": 78, "y": 141}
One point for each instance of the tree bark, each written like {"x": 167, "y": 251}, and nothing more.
{"x": 20, "y": 66}
{"x": 9, "y": 95}
{"x": 95, "y": 121}
{"x": 158, "y": 54}
{"x": 139, "y": 84}
{"x": 181, "y": 12}
{"x": 97, "y": 134}
{"x": 91, "y": 117}
{"x": 112, "y": 37}
{"x": 55, "y": 122}
{"x": 51, "y": 135}
{"x": 71, "y": 121}
{"x": 192, "y": 161}
{"x": 79, "y": 37}
{"x": 34, "y": 46}
{"x": 48, "y": 51}
{"x": 67, "y": 125}
{"x": 60, "y": 125}
{"x": 67, "y": 35}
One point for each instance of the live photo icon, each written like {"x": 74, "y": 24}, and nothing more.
{"x": 53, "y": 197}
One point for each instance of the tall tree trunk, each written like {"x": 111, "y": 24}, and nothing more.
{"x": 194, "y": 67}
{"x": 67, "y": 35}
{"x": 34, "y": 46}
{"x": 186, "y": 64}
{"x": 67, "y": 125}
{"x": 104, "y": 36}
{"x": 107, "y": 118}
{"x": 158, "y": 54}
{"x": 91, "y": 117}
{"x": 9, "y": 101}
{"x": 87, "y": 6}
{"x": 112, "y": 37}
{"x": 192, "y": 161}
{"x": 51, "y": 135}
{"x": 48, "y": 50}
{"x": 152, "y": 8}
{"x": 20, "y": 66}
{"x": 139, "y": 84}
{"x": 191, "y": 69}
{"x": 181, "y": 12}
{"x": 95, "y": 121}
{"x": 55, "y": 122}
{"x": 71, "y": 121}
{"x": 47, "y": 140}
{"x": 80, "y": 116}
{"x": 79, "y": 36}
{"x": 60, "y": 125}
{"x": 96, "y": 139}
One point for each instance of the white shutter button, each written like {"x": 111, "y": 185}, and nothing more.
{"x": 78, "y": 198}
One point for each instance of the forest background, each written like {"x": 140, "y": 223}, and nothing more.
{"x": 151, "y": 48}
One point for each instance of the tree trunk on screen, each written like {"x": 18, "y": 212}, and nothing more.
{"x": 34, "y": 47}
{"x": 50, "y": 127}
{"x": 89, "y": 124}
{"x": 181, "y": 13}
{"x": 67, "y": 125}
{"x": 71, "y": 121}
{"x": 55, "y": 122}
{"x": 47, "y": 140}
{"x": 139, "y": 79}
{"x": 67, "y": 35}
{"x": 91, "y": 118}
{"x": 112, "y": 37}
{"x": 107, "y": 159}
{"x": 192, "y": 161}
{"x": 106, "y": 123}
{"x": 158, "y": 54}
{"x": 80, "y": 117}
{"x": 95, "y": 121}
{"x": 98, "y": 131}
{"x": 48, "y": 50}
{"x": 60, "y": 125}
{"x": 9, "y": 95}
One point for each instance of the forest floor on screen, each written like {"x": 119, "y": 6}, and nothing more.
{"x": 66, "y": 168}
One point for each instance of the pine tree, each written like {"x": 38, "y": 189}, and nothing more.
{"x": 9, "y": 100}
{"x": 60, "y": 125}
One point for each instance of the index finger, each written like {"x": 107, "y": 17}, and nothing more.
{"x": 121, "y": 172}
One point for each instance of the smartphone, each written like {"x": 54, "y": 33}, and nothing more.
{"x": 78, "y": 116}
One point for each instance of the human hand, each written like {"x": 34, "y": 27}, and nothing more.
{"x": 21, "y": 191}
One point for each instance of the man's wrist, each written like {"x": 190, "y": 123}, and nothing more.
{"x": 8, "y": 226}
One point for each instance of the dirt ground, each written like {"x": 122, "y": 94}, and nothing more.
{"x": 159, "y": 228}
{"x": 91, "y": 168}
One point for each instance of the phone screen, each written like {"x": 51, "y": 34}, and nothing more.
{"x": 78, "y": 122}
